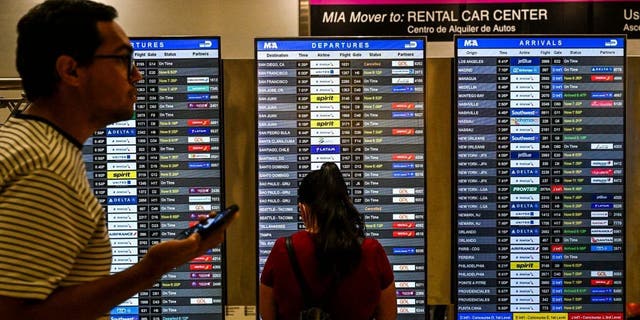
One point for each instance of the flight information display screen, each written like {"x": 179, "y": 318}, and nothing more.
{"x": 158, "y": 171}
{"x": 539, "y": 177}
{"x": 358, "y": 102}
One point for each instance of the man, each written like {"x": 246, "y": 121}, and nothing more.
{"x": 55, "y": 254}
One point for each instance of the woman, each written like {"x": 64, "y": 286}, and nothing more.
{"x": 349, "y": 272}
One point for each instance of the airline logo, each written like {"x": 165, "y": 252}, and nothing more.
{"x": 601, "y": 239}
{"x": 325, "y": 132}
{"x": 121, "y": 149}
{"x": 403, "y": 157}
{"x": 194, "y": 199}
{"x": 198, "y": 139}
{"x": 124, "y": 124}
{"x": 325, "y": 158}
{"x": 324, "y": 72}
{"x": 524, "y": 104}
{"x": 523, "y": 112}
{"x": 113, "y": 132}
{"x": 122, "y": 225}
{"x": 599, "y": 223}
{"x": 525, "y": 291}
{"x": 524, "y": 121}
{"x": 402, "y": 63}
{"x": 403, "y": 200}
{"x": 601, "y": 103}
{"x": 269, "y": 45}
{"x": 602, "y": 282}
{"x": 325, "y": 107}
{"x": 602, "y": 172}
{"x": 403, "y": 106}
{"x": 524, "y": 180}
{"x": 601, "y": 163}
{"x": 199, "y": 148}
{"x": 525, "y": 146}
{"x": 324, "y": 81}
{"x": 199, "y": 156}
{"x": 199, "y": 122}
{"x": 325, "y": 115}
{"x": 523, "y": 222}
{"x": 599, "y": 214}
{"x": 403, "y": 131}
{"x": 518, "y": 274}
{"x": 122, "y": 209}
{"x": 524, "y": 248}
{"x": 524, "y": 214}
{"x": 601, "y": 274}
{"x": 118, "y": 183}
{"x": 524, "y": 265}
{"x": 524, "y": 257}
{"x": 200, "y": 207}
{"x": 525, "y": 172}
{"x": 525, "y": 154}
{"x": 525, "y": 299}
{"x": 121, "y": 157}
{"x": 325, "y": 140}
{"x": 404, "y": 216}
{"x": 524, "y": 163}
{"x": 524, "y": 240}
{"x": 325, "y": 89}
{"x": 602, "y": 146}
{"x": 335, "y": 149}
{"x": 404, "y": 267}
{"x": 404, "y": 225}
{"x": 324, "y": 64}
{"x": 402, "y": 80}
{"x": 405, "y": 284}
{"x": 325, "y": 123}
{"x": 121, "y": 166}
{"x": 602, "y": 231}
{"x": 525, "y": 282}
{"x": 524, "y": 138}
{"x": 403, "y": 72}
{"x": 123, "y": 217}
{"x": 524, "y": 129}
{"x": 607, "y": 180}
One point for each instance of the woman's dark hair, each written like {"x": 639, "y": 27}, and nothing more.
{"x": 340, "y": 225}
{"x": 54, "y": 28}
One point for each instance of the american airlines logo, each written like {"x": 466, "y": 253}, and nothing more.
{"x": 270, "y": 45}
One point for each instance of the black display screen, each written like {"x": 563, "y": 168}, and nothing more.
{"x": 539, "y": 177}
{"x": 358, "y": 102}
{"x": 157, "y": 172}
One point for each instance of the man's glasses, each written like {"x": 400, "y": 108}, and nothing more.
{"x": 127, "y": 59}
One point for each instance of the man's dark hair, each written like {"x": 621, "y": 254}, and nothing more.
{"x": 54, "y": 28}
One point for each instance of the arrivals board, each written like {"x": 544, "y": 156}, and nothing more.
{"x": 158, "y": 171}
{"x": 539, "y": 177}
{"x": 358, "y": 102}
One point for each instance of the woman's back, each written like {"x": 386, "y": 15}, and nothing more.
{"x": 356, "y": 296}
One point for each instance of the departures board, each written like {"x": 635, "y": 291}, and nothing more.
{"x": 358, "y": 102}
{"x": 155, "y": 173}
{"x": 539, "y": 197}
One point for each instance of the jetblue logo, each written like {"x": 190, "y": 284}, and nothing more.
{"x": 471, "y": 43}
{"x": 270, "y": 45}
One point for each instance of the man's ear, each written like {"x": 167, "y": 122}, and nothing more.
{"x": 67, "y": 69}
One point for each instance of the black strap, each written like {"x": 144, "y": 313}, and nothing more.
{"x": 306, "y": 292}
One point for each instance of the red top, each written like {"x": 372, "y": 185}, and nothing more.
{"x": 356, "y": 297}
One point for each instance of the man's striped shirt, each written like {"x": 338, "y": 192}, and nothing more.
{"x": 52, "y": 228}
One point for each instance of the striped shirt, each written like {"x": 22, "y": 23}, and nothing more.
{"x": 52, "y": 228}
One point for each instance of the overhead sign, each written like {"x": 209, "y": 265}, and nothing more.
{"x": 441, "y": 20}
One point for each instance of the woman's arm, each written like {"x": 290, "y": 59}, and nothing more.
{"x": 267, "y": 303}
{"x": 387, "y": 308}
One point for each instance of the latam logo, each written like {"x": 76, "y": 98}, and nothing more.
{"x": 270, "y": 45}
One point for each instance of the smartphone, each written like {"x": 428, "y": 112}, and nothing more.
{"x": 206, "y": 227}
